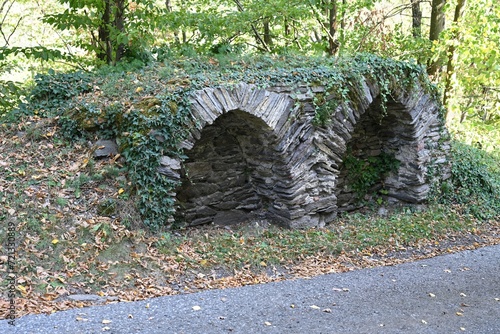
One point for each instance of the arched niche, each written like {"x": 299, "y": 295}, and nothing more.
{"x": 383, "y": 152}
{"x": 231, "y": 172}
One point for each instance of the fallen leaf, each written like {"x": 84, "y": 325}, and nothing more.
{"x": 55, "y": 241}
{"x": 459, "y": 314}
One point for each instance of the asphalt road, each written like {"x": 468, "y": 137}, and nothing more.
{"x": 456, "y": 293}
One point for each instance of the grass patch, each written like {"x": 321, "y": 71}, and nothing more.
{"x": 256, "y": 247}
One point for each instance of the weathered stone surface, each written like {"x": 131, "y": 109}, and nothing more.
{"x": 230, "y": 217}
{"x": 85, "y": 298}
{"x": 170, "y": 167}
{"x": 256, "y": 152}
{"x": 105, "y": 148}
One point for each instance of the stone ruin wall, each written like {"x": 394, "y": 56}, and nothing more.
{"x": 255, "y": 153}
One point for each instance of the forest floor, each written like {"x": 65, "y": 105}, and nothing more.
{"x": 77, "y": 232}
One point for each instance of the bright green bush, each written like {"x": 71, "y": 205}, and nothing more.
{"x": 475, "y": 182}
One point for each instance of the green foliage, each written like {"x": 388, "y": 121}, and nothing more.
{"x": 475, "y": 182}
{"x": 37, "y": 53}
{"x": 324, "y": 110}
{"x": 115, "y": 29}
{"x": 9, "y": 96}
{"x": 476, "y": 86}
{"x": 363, "y": 174}
{"x": 145, "y": 136}
{"x": 53, "y": 90}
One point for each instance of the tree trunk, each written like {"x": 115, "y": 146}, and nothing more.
{"x": 450, "y": 68}
{"x": 120, "y": 27}
{"x": 416, "y": 14}
{"x": 437, "y": 26}
{"x": 168, "y": 5}
{"x": 105, "y": 51}
{"x": 259, "y": 39}
{"x": 267, "y": 33}
{"x": 333, "y": 44}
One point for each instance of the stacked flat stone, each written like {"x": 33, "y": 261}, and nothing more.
{"x": 256, "y": 152}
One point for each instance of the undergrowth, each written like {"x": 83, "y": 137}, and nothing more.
{"x": 475, "y": 182}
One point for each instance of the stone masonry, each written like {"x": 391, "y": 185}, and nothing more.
{"x": 256, "y": 153}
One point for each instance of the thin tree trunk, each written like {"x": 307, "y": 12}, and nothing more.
{"x": 416, "y": 14}
{"x": 333, "y": 44}
{"x": 437, "y": 26}
{"x": 265, "y": 47}
{"x": 267, "y": 33}
{"x": 105, "y": 51}
{"x": 120, "y": 27}
{"x": 450, "y": 68}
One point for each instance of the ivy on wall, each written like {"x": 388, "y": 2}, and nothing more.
{"x": 363, "y": 174}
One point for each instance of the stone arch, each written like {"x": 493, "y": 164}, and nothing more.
{"x": 256, "y": 152}
{"x": 407, "y": 130}
{"x": 246, "y": 157}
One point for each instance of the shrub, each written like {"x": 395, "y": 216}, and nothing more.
{"x": 475, "y": 182}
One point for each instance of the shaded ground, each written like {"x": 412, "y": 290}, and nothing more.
{"x": 447, "y": 294}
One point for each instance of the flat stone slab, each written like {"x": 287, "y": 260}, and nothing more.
{"x": 85, "y": 298}
{"x": 105, "y": 148}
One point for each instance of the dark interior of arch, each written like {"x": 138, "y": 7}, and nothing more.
{"x": 230, "y": 172}
{"x": 377, "y": 137}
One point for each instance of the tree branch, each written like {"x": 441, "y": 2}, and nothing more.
{"x": 7, "y": 38}
{"x": 256, "y": 33}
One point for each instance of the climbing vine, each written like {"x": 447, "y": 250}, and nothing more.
{"x": 365, "y": 173}
{"x": 147, "y": 110}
